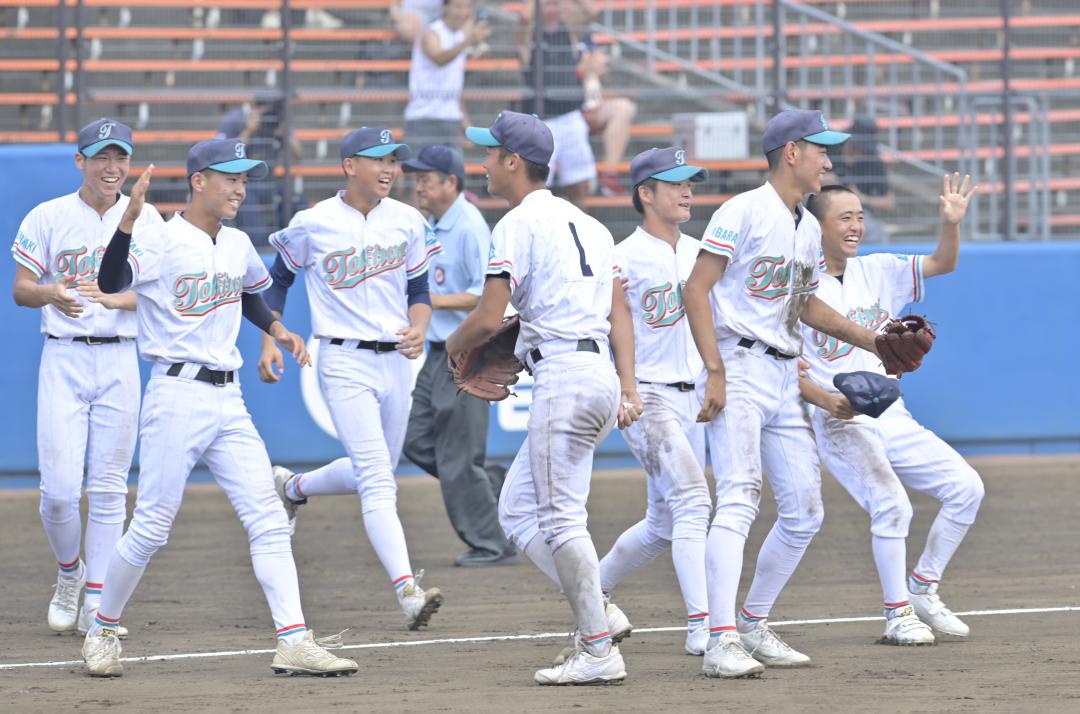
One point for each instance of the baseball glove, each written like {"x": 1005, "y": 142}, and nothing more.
{"x": 488, "y": 370}
{"x": 903, "y": 344}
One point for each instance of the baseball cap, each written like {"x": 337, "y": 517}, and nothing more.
{"x": 665, "y": 165}
{"x": 373, "y": 142}
{"x": 229, "y": 156}
{"x": 523, "y": 134}
{"x": 870, "y": 393}
{"x": 800, "y": 125}
{"x": 438, "y": 157}
{"x": 103, "y": 132}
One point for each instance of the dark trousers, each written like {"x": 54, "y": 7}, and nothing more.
{"x": 447, "y": 437}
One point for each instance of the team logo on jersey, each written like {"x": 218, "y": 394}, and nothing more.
{"x": 385, "y": 136}
{"x": 440, "y": 275}
{"x": 198, "y": 294}
{"x": 79, "y": 263}
{"x": 240, "y": 150}
{"x": 663, "y": 305}
{"x": 772, "y": 277}
{"x": 344, "y": 269}
{"x": 105, "y": 130}
{"x": 831, "y": 349}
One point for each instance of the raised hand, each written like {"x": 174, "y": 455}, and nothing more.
{"x": 955, "y": 196}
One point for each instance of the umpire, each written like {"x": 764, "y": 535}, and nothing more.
{"x": 447, "y": 433}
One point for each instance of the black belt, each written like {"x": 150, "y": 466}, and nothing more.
{"x": 213, "y": 376}
{"x": 681, "y": 386}
{"x": 368, "y": 345}
{"x": 437, "y": 346}
{"x": 769, "y": 350}
{"x": 92, "y": 340}
{"x": 582, "y": 346}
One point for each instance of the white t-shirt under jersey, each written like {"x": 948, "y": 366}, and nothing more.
{"x": 664, "y": 350}
{"x": 434, "y": 90}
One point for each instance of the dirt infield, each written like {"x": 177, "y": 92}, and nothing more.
{"x": 199, "y": 596}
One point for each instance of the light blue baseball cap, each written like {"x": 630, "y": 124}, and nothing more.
{"x": 373, "y": 142}
{"x": 668, "y": 164}
{"x": 229, "y": 156}
{"x": 800, "y": 125}
{"x": 103, "y": 132}
{"x": 521, "y": 134}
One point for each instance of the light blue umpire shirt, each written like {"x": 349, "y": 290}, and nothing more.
{"x": 460, "y": 267}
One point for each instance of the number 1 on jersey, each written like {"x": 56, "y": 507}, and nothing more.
{"x": 585, "y": 269}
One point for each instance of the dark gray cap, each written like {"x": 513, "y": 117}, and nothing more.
{"x": 870, "y": 393}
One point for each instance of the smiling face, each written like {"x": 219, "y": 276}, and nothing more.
{"x": 371, "y": 178}
{"x": 671, "y": 202}
{"x": 104, "y": 173}
{"x": 841, "y": 225}
{"x": 434, "y": 191}
{"x": 219, "y": 194}
{"x": 811, "y": 163}
{"x": 496, "y": 171}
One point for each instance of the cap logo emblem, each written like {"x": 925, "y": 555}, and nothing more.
{"x": 384, "y": 136}
{"x": 240, "y": 151}
{"x": 680, "y": 157}
{"x": 105, "y": 130}
{"x": 824, "y": 124}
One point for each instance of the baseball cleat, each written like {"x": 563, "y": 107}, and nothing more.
{"x": 86, "y": 621}
{"x": 931, "y": 610}
{"x": 728, "y": 659}
{"x": 766, "y": 647}
{"x": 419, "y": 604}
{"x": 697, "y": 640}
{"x": 64, "y": 606}
{"x": 307, "y": 658}
{"x": 101, "y": 652}
{"x": 618, "y": 626}
{"x": 905, "y": 629}
{"x": 585, "y": 668}
{"x": 281, "y": 477}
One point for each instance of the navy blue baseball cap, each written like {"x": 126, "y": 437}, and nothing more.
{"x": 523, "y": 134}
{"x": 96, "y": 135}
{"x": 438, "y": 157}
{"x": 870, "y": 393}
{"x": 800, "y": 125}
{"x": 229, "y": 156}
{"x": 665, "y": 165}
{"x": 373, "y": 142}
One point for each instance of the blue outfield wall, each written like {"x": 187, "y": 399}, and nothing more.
{"x": 1001, "y": 378}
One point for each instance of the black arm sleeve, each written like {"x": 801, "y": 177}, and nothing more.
{"x": 114, "y": 275}
{"x": 417, "y": 290}
{"x": 283, "y": 280}
{"x": 256, "y": 311}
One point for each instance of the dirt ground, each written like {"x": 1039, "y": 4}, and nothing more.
{"x": 199, "y": 595}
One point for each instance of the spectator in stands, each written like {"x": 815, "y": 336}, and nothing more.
{"x": 410, "y": 17}
{"x": 609, "y": 117}
{"x": 261, "y": 128}
{"x": 573, "y": 165}
{"x": 860, "y": 168}
{"x": 314, "y": 19}
{"x": 436, "y": 113}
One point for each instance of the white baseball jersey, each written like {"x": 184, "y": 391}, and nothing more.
{"x": 189, "y": 288}
{"x": 664, "y": 350}
{"x": 357, "y": 266}
{"x": 64, "y": 239}
{"x": 561, "y": 262}
{"x": 874, "y": 289}
{"x": 773, "y": 266}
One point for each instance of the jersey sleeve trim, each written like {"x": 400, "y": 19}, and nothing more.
{"x": 290, "y": 262}
{"x": 432, "y": 250}
{"x": 259, "y": 286}
{"x": 27, "y": 261}
{"x": 918, "y": 279}
{"x": 718, "y": 247}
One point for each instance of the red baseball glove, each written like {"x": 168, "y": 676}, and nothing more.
{"x": 903, "y": 344}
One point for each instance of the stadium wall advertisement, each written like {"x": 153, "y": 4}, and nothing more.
{"x": 1000, "y": 380}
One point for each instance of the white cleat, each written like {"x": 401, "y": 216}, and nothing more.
{"x": 307, "y": 658}
{"x": 906, "y": 629}
{"x": 86, "y": 621}
{"x": 585, "y": 668}
{"x": 931, "y": 610}
{"x": 728, "y": 659}
{"x": 419, "y": 604}
{"x": 697, "y": 640}
{"x": 619, "y": 628}
{"x": 281, "y": 477}
{"x": 766, "y": 647}
{"x": 64, "y": 606}
{"x": 101, "y": 652}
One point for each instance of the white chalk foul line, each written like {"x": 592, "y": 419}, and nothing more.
{"x": 513, "y": 638}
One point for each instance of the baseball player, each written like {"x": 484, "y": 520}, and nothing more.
{"x": 365, "y": 257}
{"x": 555, "y": 265}
{"x": 874, "y": 459}
{"x": 193, "y": 279}
{"x": 656, "y": 260}
{"x": 88, "y": 381}
{"x": 753, "y": 281}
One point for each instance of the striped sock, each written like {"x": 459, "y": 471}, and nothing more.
{"x": 918, "y": 584}
{"x": 292, "y": 489}
{"x": 747, "y": 621}
{"x": 72, "y": 569}
{"x": 715, "y": 632}
{"x": 694, "y": 621}
{"x": 892, "y": 609}
{"x": 597, "y": 645}
{"x": 292, "y": 633}
{"x": 104, "y": 622}
{"x": 92, "y": 595}
{"x": 400, "y": 583}
{"x": 607, "y": 598}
